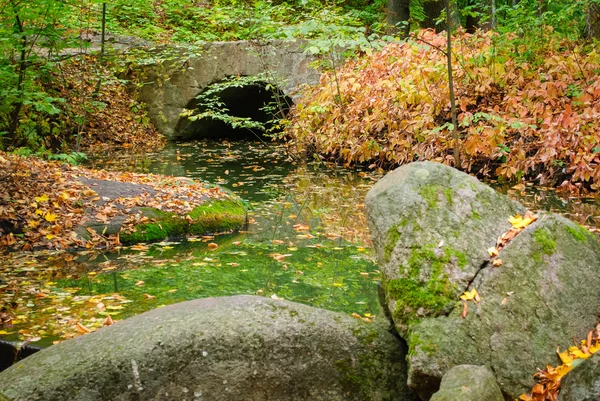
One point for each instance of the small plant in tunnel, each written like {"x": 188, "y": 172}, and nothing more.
{"x": 236, "y": 108}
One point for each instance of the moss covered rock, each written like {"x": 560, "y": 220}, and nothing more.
{"x": 468, "y": 383}
{"x": 431, "y": 226}
{"x": 164, "y": 207}
{"x": 220, "y": 349}
{"x": 544, "y": 295}
{"x": 432, "y": 245}
{"x": 210, "y": 217}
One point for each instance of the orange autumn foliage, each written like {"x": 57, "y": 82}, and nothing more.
{"x": 516, "y": 119}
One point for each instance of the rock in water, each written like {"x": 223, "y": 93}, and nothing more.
{"x": 583, "y": 382}
{"x": 431, "y": 226}
{"x": 543, "y": 295}
{"x": 468, "y": 383}
{"x": 219, "y": 349}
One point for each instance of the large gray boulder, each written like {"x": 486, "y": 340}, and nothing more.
{"x": 543, "y": 295}
{"x": 468, "y": 383}
{"x": 217, "y": 349}
{"x": 431, "y": 227}
{"x": 583, "y": 382}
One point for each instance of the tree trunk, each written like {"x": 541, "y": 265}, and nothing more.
{"x": 398, "y": 11}
{"x": 433, "y": 10}
{"x": 22, "y": 66}
{"x": 592, "y": 19}
{"x": 542, "y": 8}
{"x": 451, "y": 86}
{"x": 486, "y": 18}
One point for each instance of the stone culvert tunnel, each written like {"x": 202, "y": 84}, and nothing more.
{"x": 173, "y": 87}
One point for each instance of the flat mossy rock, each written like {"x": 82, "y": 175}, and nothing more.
{"x": 431, "y": 227}
{"x": 545, "y": 294}
{"x": 210, "y": 214}
{"x": 219, "y": 349}
{"x": 210, "y": 217}
{"x": 583, "y": 382}
{"x": 468, "y": 383}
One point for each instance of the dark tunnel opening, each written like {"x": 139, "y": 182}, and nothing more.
{"x": 257, "y": 100}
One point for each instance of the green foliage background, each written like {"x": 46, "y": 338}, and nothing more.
{"x": 35, "y": 33}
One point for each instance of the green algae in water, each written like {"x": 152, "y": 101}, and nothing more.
{"x": 331, "y": 277}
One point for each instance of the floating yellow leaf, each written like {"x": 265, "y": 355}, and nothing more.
{"x": 82, "y": 329}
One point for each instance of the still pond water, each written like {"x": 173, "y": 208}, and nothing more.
{"x": 307, "y": 242}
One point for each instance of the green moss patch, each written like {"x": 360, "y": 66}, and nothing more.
{"x": 546, "y": 240}
{"x": 217, "y": 216}
{"x": 392, "y": 238}
{"x": 430, "y": 194}
{"x": 579, "y": 233}
{"x": 430, "y": 293}
{"x": 414, "y": 342}
{"x": 210, "y": 217}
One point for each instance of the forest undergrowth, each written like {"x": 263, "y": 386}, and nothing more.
{"x": 523, "y": 113}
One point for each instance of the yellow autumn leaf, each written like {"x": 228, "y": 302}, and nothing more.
{"x": 50, "y": 217}
{"x": 595, "y": 348}
{"x": 555, "y": 374}
{"x": 49, "y": 236}
{"x": 565, "y": 357}
{"x": 41, "y": 199}
{"x": 493, "y": 251}
{"x": 520, "y": 222}
{"x": 64, "y": 196}
{"x": 469, "y": 295}
{"x": 39, "y": 212}
{"x": 33, "y": 223}
{"x": 577, "y": 353}
{"x": 82, "y": 329}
